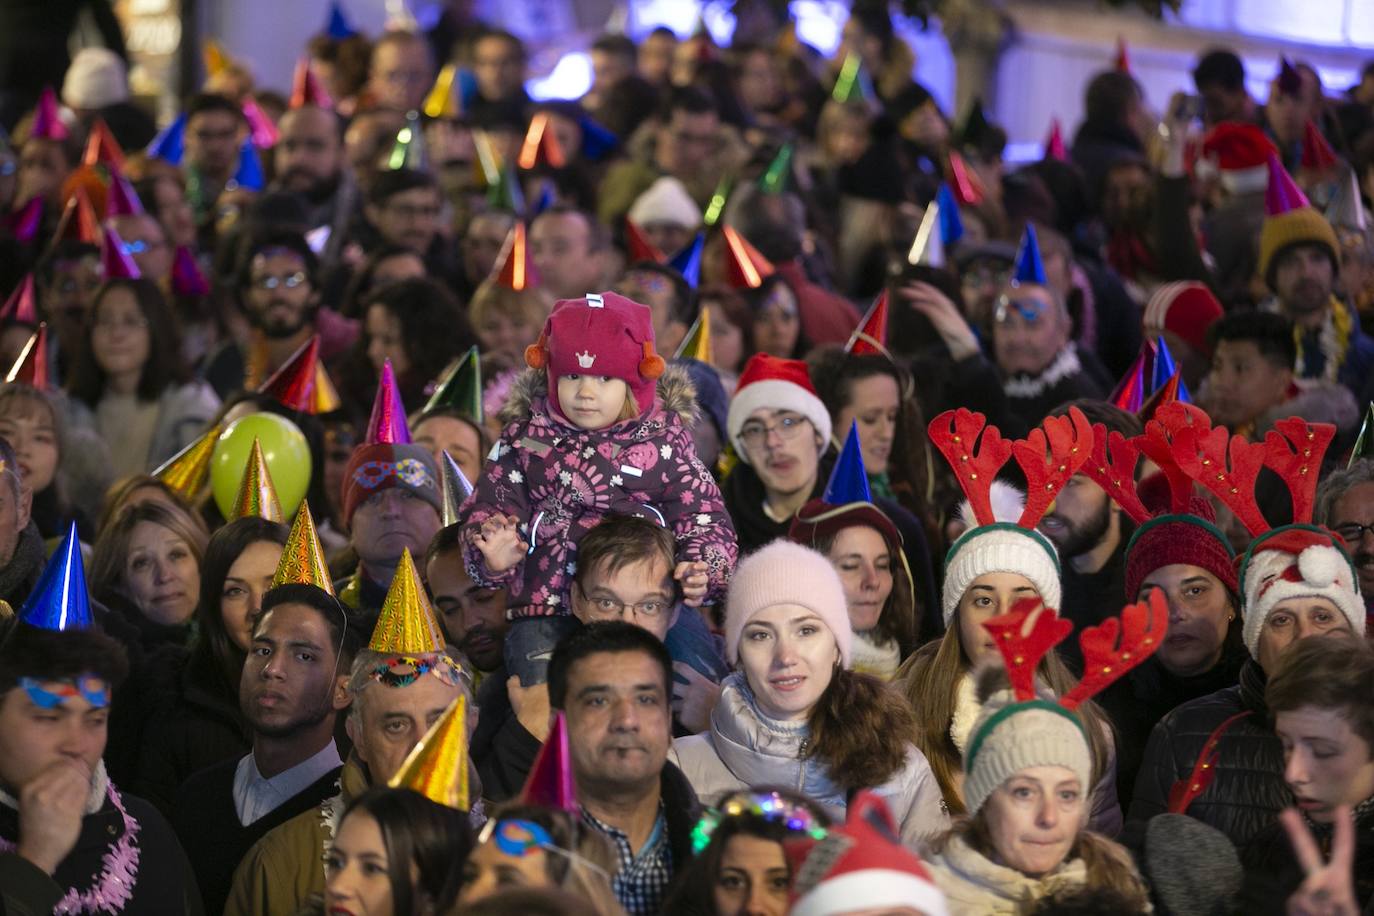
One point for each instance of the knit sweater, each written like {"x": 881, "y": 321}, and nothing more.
{"x": 974, "y": 885}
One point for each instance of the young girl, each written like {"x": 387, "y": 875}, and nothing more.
{"x": 603, "y": 430}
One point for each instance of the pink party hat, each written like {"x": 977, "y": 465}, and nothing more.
{"x": 550, "y": 782}
{"x": 47, "y": 121}
{"x": 21, "y": 307}
{"x": 260, "y": 126}
{"x": 187, "y": 280}
{"x": 1054, "y": 143}
{"x": 388, "y": 422}
{"x": 116, "y": 261}
{"x": 122, "y": 199}
{"x": 25, "y": 222}
{"x": 1283, "y": 194}
{"x": 31, "y": 368}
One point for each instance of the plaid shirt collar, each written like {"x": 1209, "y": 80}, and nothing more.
{"x": 642, "y": 879}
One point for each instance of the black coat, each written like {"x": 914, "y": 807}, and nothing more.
{"x": 1273, "y": 873}
{"x": 1248, "y": 790}
{"x": 502, "y": 749}
{"x": 20, "y": 574}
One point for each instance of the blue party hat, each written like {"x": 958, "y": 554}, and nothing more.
{"x": 1164, "y": 365}
{"x": 170, "y": 143}
{"x": 688, "y": 261}
{"x": 849, "y": 479}
{"x": 60, "y": 601}
{"x": 339, "y": 27}
{"x": 249, "y": 174}
{"x": 951, "y": 224}
{"x": 597, "y": 141}
{"x": 546, "y": 199}
{"x": 1029, "y": 267}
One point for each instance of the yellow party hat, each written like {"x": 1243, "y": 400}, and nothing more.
{"x": 187, "y": 470}
{"x": 215, "y": 57}
{"x": 325, "y": 398}
{"x": 407, "y": 624}
{"x": 257, "y": 495}
{"x": 302, "y": 559}
{"x": 437, "y": 767}
{"x": 697, "y": 343}
{"x": 441, "y": 101}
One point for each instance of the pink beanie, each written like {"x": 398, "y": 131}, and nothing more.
{"x": 786, "y": 573}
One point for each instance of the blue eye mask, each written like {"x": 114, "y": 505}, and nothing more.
{"x": 1029, "y": 310}
{"x": 92, "y": 689}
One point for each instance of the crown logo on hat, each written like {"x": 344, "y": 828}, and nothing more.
{"x": 585, "y": 359}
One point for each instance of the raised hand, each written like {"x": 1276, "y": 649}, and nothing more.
{"x": 500, "y": 542}
{"x": 694, "y": 700}
{"x": 1329, "y": 889}
{"x": 51, "y": 806}
{"x": 943, "y": 315}
{"x": 695, "y": 581}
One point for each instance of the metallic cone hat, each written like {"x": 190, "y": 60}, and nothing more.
{"x": 306, "y": 88}
{"x": 60, "y": 601}
{"x": 103, "y": 149}
{"x": 78, "y": 222}
{"x": 261, "y": 130}
{"x": 848, "y": 479}
{"x": 871, "y": 334}
{"x": 31, "y": 367}
{"x": 293, "y": 384}
{"x": 541, "y": 146}
{"x": 25, "y": 222}
{"x": 638, "y": 247}
{"x": 302, "y": 559}
{"x": 437, "y": 767}
{"x": 122, "y": 199}
{"x": 170, "y": 143}
{"x": 47, "y": 120}
{"x": 257, "y": 495}
{"x": 697, "y": 343}
{"x": 407, "y": 624}
{"x": 326, "y": 397}
{"x": 951, "y": 224}
{"x": 550, "y": 782}
{"x": 1130, "y": 393}
{"x": 249, "y": 174}
{"x": 1346, "y": 210}
{"x": 187, "y": 470}
{"x": 460, "y": 387}
{"x": 187, "y": 279}
{"x": 388, "y": 421}
{"x": 21, "y": 306}
{"x": 688, "y": 261}
{"x": 1364, "y": 444}
{"x": 1317, "y": 154}
{"x": 513, "y": 268}
{"x": 745, "y": 267}
{"x": 1029, "y": 267}
{"x": 1054, "y": 143}
{"x": 118, "y": 264}
{"x": 1283, "y": 193}
{"x": 338, "y": 26}
{"x": 456, "y": 489}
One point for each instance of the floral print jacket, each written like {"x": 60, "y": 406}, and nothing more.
{"x": 560, "y": 481}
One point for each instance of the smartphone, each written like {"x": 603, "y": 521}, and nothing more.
{"x": 1189, "y": 108}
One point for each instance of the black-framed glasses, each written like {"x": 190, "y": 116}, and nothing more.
{"x": 754, "y": 433}
{"x": 1353, "y": 532}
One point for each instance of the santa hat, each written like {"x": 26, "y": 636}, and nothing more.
{"x": 1297, "y": 561}
{"x": 666, "y": 201}
{"x": 1186, "y": 309}
{"x": 1240, "y": 154}
{"x": 860, "y": 866}
{"x": 600, "y": 334}
{"x": 775, "y": 384}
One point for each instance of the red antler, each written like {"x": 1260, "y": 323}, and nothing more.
{"x": 1225, "y": 465}
{"x": 954, "y": 433}
{"x": 1142, "y": 627}
{"x": 1070, "y": 445}
{"x": 1112, "y": 467}
{"x": 1158, "y": 445}
{"x": 1186, "y": 791}
{"x": 1024, "y": 642}
{"x": 1295, "y": 453}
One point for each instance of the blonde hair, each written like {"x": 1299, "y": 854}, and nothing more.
{"x": 112, "y": 546}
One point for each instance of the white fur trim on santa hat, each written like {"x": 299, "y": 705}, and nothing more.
{"x": 774, "y": 394}
{"x": 871, "y": 888}
{"x": 1325, "y": 574}
{"x": 666, "y": 201}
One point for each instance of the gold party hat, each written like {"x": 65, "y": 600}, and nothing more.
{"x": 302, "y": 559}
{"x": 437, "y": 767}
{"x": 325, "y": 398}
{"x": 442, "y": 102}
{"x": 187, "y": 470}
{"x": 257, "y": 495}
{"x": 406, "y": 625}
{"x": 697, "y": 343}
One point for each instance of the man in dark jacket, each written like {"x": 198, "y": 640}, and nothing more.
{"x": 1039, "y": 363}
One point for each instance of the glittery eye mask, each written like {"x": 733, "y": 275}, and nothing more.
{"x": 404, "y": 670}
{"x": 92, "y": 689}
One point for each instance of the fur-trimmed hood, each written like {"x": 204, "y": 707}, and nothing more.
{"x": 675, "y": 395}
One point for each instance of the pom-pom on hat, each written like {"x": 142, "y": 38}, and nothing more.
{"x": 777, "y": 384}
{"x": 786, "y": 573}
{"x": 1298, "y": 561}
{"x": 600, "y": 334}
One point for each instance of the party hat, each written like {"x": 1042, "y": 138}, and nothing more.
{"x": 302, "y": 559}
{"x": 261, "y": 130}
{"x": 460, "y": 387}
{"x": 1029, "y": 267}
{"x": 1346, "y": 210}
{"x": 541, "y": 146}
{"x": 59, "y": 601}
{"x": 1054, "y": 143}
{"x": 1164, "y": 367}
{"x": 967, "y": 189}
{"x": 506, "y": 194}
{"x": 1172, "y": 390}
{"x": 848, "y": 479}
{"x": 326, "y": 397}
{"x": 409, "y": 151}
{"x": 597, "y": 141}
{"x": 1283, "y": 194}
{"x": 976, "y": 125}
{"x": 744, "y": 266}
{"x": 25, "y": 222}
{"x": 456, "y": 488}
{"x": 22, "y": 305}
{"x": 548, "y": 196}
{"x": 487, "y": 163}
{"x": 1289, "y": 79}
{"x": 437, "y": 767}
{"x": 715, "y": 207}
{"x": 122, "y": 199}
{"x": 31, "y": 368}
{"x": 306, "y": 88}
{"x": 550, "y": 782}
{"x": 928, "y": 247}
{"x": 406, "y": 625}
{"x": 639, "y": 248}
{"x": 513, "y": 269}
{"x": 1122, "y": 61}
{"x": 47, "y": 120}
{"x": 1317, "y": 154}
{"x": 388, "y": 421}
{"x": 443, "y": 101}
{"x": 951, "y": 223}
{"x": 115, "y": 260}
{"x": 187, "y": 279}
{"x": 249, "y": 174}
{"x": 215, "y": 57}
{"x": 293, "y": 384}
{"x": 257, "y": 497}
{"x": 102, "y": 148}
{"x": 847, "y": 83}
{"x": 170, "y": 143}
{"x": 338, "y": 26}
{"x": 688, "y": 261}
{"x": 871, "y": 334}
{"x": 775, "y": 178}
{"x": 697, "y": 343}
{"x": 1364, "y": 443}
{"x": 1130, "y": 392}
{"x": 187, "y": 470}
{"x": 78, "y": 222}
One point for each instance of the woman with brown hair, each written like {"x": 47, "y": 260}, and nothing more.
{"x": 794, "y": 713}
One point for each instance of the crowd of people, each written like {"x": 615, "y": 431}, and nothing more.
{"x": 736, "y": 491}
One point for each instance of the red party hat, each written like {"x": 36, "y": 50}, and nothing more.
{"x": 22, "y": 306}
{"x": 1283, "y": 194}
{"x": 260, "y": 127}
{"x": 550, "y": 782}
{"x": 1054, "y": 143}
{"x": 116, "y": 261}
{"x": 103, "y": 149}
{"x": 541, "y": 145}
{"x": 187, "y": 280}
{"x": 293, "y": 384}
{"x": 745, "y": 267}
{"x": 968, "y": 191}
{"x": 388, "y": 421}
{"x": 1317, "y": 154}
{"x": 122, "y": 199}
{"x": 1122, "y": 62}
{"x": 871, "y": 334}
{"x": 47, "y": 121}
{"x": 513, "y": 269}
{"x": 306, "y": 88}
{"x": 78, "y": 222}
{"x": 638, "y": 247}
{"x": 31, "y": 368}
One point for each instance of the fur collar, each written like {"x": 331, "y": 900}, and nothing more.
{"x": 676, "y": 394}
{"x": 1032, "y": 386}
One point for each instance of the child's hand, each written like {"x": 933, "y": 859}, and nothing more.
{"x": 500, "y": 543}
{"x": 694, "y": 700}
{"x": 694, "y": 582}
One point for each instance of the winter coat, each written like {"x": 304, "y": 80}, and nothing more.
{"x": 974, "y": 885}
{"x": 743, "y": 747}
{"x": 20, "y": 574}
{"x": 1068, "y": 377}
{"x": 1247, "y": 790}
{"x": 1273, "y": 873}
{"x": 183, "y": 413}
{"x": 561, "y": 481}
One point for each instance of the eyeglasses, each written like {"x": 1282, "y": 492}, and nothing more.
{"x": 290, "y": 281}
{"x": 1353, "y": 532}
{"x": 770, "y": 807}
{"x": 612, "y": 607}
{"x": 755, "y": 433}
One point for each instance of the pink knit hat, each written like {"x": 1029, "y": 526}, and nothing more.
{"x": 786, "y": 573}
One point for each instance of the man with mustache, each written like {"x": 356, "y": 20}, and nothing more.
{"x": 1345, "y": 504}
{"x": 309, "y": 161}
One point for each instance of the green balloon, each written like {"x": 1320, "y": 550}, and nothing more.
{"x": 283, "y": 448}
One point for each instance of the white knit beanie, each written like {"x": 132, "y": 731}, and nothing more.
{"x": 786, "y": 573}
{"x": 666, "y": 201}
{"x": 1297, "y": 561}
{"x": 96, "y": 79}
{"x": 1010, "y": 737}
{"x": 1001, "y": 547}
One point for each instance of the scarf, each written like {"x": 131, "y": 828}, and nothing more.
{"x": 871, "y": 657}
{"x": 1322, "y": 353}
